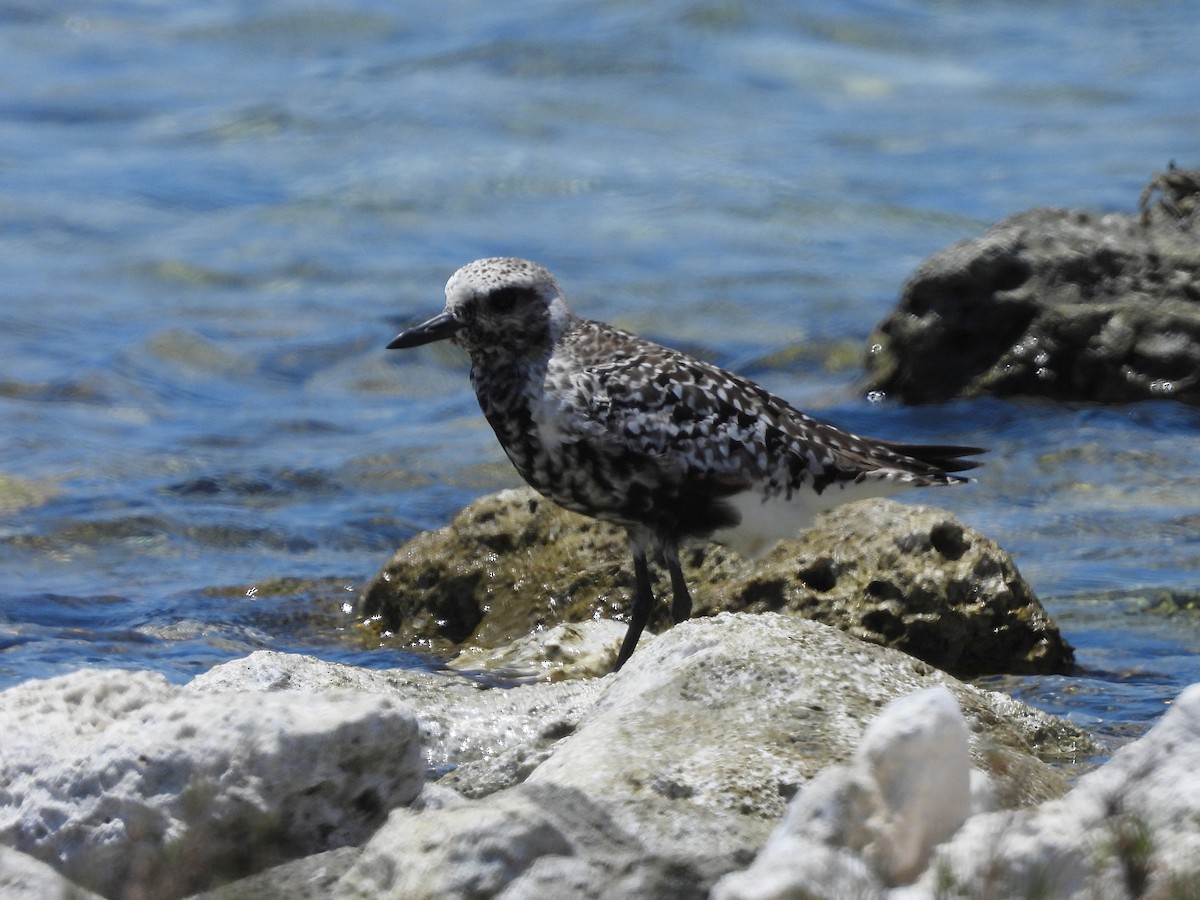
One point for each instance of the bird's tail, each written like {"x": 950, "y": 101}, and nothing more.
{"x": 939, "y": 458}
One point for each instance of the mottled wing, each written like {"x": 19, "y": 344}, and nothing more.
{"x": 698, "y": 424}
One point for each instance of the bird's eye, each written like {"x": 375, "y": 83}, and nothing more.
{"x": 503, "y": 300}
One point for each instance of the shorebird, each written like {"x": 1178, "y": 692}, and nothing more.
{"x": 669, "y": 447}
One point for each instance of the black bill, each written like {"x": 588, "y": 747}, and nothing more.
{"x": 440, "y": 327}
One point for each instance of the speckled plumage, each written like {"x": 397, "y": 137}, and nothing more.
{"x": 670, "y": 447}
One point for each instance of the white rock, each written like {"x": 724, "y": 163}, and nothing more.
{"x": 571, "y": 650}
{"x": 700, "y": 740}
{"x": 25, "y": 878}
{"x": 1131, "y": 828}
{"x": 460, "y": 723}
{"x": 918, "y": 754}
{"x": 125, "y": 782}
{"x": 532, "y": 841}
{"x": 872, "y": 822}
{"x": 816, "y": 851}
{"x": 657, "y": 780}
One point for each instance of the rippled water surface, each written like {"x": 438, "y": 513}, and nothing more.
{"x": 213, "y": 217}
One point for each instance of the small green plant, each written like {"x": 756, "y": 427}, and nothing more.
{"x": 946, "y": 885}
{"x": 1131, "y": 843}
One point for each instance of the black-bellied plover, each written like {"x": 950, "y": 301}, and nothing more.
{"x": 669, "y": 447}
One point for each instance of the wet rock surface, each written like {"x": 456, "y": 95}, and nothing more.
{"x": 1056, "y": 303}
{"x": 914, "y": 578}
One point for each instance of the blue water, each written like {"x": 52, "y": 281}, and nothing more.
{"x": 214, "y": 216}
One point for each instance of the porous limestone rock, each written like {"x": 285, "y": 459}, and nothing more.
{"x": 909, "y": 577}
{"x": 532, "y": 842}
{"x": 706, "y": 734}
{"x": 1055, "y": 303}
{"x": 24, "y": 878}
{"x": 129, "y": 785}
{"x": 570, "y": 650}
{"x": 873, "y": 822}
{"x": 465, "y": 718}
{"x": 1126, "y": 830}
{"x": 689, "y": 755}
{"x": 308, "y": 878}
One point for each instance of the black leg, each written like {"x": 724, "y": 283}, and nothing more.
{"x": 681, "y": 600}
{"x": 639, "y": 615}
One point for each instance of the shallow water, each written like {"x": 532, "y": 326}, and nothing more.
{"x": 213, "y": 217}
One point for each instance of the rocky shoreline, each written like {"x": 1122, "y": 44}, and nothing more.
{"x": 742, "y": 755}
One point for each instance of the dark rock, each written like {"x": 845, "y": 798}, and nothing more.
{"x": 309, "y": 878}
{"x": 1055, "y": 303}
{"x": 907, "y": 577}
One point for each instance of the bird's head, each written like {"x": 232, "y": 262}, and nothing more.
{"x": 499, "y": 309}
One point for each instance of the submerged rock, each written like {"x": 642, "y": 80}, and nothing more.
{"x": 1055, "y": 303}
{"x": 19, "y": 493}
{"x": 909, "y": 577}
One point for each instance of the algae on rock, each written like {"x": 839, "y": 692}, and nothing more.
{"x": 909, "y": 577}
